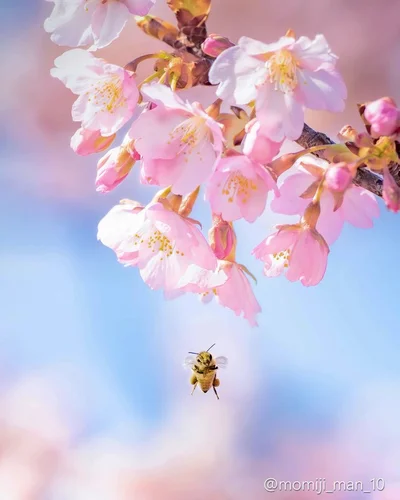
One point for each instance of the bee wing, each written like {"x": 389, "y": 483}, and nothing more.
{"x": 189, "y": 361}
{"x": 221, "y": 361}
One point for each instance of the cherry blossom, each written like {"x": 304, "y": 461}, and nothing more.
{"x": 297, "y": 249}
{"x": 358, "y": 207}
{"x": 157, "y": 240}
{"x": 178, "y": 142}
{"x": 239, "y": 188}
{"x": 107, "y": 93}
{"x": 86, "y": 142}
{"x": 282, "y": 78}
{"x": 235, "y": 293}
{"x": 77, "y": 23}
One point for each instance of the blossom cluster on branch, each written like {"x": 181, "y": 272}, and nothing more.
{"x": 234, "y": 154}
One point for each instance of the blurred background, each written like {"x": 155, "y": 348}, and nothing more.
{"x": 94, "y": 401}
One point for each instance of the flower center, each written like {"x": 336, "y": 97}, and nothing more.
{"x": 282, "y": 69}
{"x": 240, "y": 186}
{"x": 282, "y": 258}
{"x": 157, "y": 242}
{"x": 190, "y": 133}
{"x": 107, "y": 94}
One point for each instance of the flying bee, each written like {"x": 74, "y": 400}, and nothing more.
{"x": 204, "y": 368}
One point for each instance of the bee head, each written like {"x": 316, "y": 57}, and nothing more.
{"x": 205, "y": 358}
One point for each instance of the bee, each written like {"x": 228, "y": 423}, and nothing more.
{"x": 204, "y": 368}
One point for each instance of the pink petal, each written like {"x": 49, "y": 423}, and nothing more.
{"x": 108, "y": 21}
{"x": 257, "y": 145}
{"x": 280, "y": 115}
{"x": 184, "y": 172}
{"x": 308, "y": 260}
{"x": 237, "y": 75}
{"x": 139, "y": 7}
{"x": 163, "y": 95}
{"x": 289, "y": 201}
{"x": 254, "y": 47}
{"x": 312, "y": 54}
{"x": 237, "y": 294}
{"x": 152, "y": 133}
{"x": 321, "y": 90}
{"x": 330, "y": 223}
{"x": 70, "y": 24}
{"x": 198, "y": 280}
{"x": 275, "y": 243}
{"x": 360, "y": 207}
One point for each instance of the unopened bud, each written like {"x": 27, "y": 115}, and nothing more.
{"x": 86, "y": 142}
{"x": 222, "y": 238}
{"x": 390, "y": 191}
{"x": 338, "y": 177}
{"x": 113, "y": 167}
{"x": 214, "y": 45}
{"x": 383, "y": 116}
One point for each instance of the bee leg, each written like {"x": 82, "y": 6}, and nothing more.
{"x": 193, "y": 381}
{"x": 194, "y": 387}
{"x": 216, "y": 384}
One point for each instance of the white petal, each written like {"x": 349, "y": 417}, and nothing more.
{"x": 237, "y": 75}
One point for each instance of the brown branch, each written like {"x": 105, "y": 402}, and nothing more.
{"x": 364, "y": 178}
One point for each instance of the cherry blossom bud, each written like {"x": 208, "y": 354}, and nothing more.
{"x": 86, "y": 142}
{"x": 114, "y": 166}
{"x": 390, "y": 192}
{"x": 222, "y": 238}
{"x": 338, "y": 177}
{"x": 383, "y": 116}
{"x": 215, "y": 44}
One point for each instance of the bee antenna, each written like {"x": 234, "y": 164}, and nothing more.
{"x": 193, "y": 353}
{"x": 210, "y": 347}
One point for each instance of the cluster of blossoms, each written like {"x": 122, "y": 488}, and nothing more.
{"x": 234, "y": 155}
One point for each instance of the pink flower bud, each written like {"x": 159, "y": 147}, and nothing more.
{"x": 383, "y": 116}
{"x": 390, "y": 192}
{"x": 86, "y": 142}
{"x": 215, "y": 44}
{"x": 113, "y": 167}
{"x": 222, "y": 238}
{"x": 338, "y": 177}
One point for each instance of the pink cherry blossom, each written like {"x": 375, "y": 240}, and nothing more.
{"x": 239, "y": 188}
{"x": 76, "y": 23}
{"x": 107, "y": 93}
{"x": 297, "y": 249}
{"x": 158, "y": 241}
{"x": 283, "y": 78}
{"x": 257, "y": 145}
{"x": 86, "y": 142}
{"x": 383, "y": 116}
{"x": 234, "y": 293}
{"x": 359, "y": 206}
{"x": 178, "y": 142}
{"x": 115, "y": 165}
